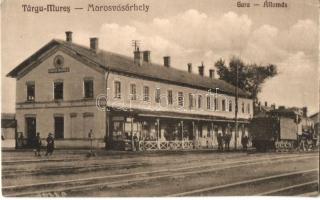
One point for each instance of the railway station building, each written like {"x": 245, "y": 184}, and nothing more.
{"x": 69, "y": 89}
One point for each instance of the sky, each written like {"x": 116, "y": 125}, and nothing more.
{"x": 188, "y": 31}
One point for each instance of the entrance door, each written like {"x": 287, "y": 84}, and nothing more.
{"x": 58, "y": 127}
{"x": 31, "y": 128}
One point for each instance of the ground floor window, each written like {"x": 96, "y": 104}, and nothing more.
{"x": 59, "y": 127}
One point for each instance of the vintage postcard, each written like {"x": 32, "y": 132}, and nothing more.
{"x": 170, "y": 98}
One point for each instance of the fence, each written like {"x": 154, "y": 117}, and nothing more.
{"x": 165, "y": 145}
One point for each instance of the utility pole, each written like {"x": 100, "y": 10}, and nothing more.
{"x": 236, "y": 109}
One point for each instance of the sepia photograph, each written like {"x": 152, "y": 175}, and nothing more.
{"x": 170, "y": 98}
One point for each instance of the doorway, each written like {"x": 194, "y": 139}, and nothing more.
{"x": 31, "y": 128}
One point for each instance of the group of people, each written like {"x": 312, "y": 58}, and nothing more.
{"x": 38, "y": 143}
{"x": 224, "y": 140}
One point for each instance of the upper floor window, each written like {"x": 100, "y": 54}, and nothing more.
{"x": 248, "y": 108}
{"x": 117, "y": 89}
{"x": 242, "y": 107}
{"x": 157, "y": 95}
{"x": 223, "y": 102}
{"x": 146, "y": 96}
{"x": 58, "y": 90}
{"x": 180, "y": 99}
{"x": 170, "y": 98}
{"x": 208, "y": 102}
{"x": 191, "y": 101}
{"x": 230, "y": 105}
{"x": 31, "y": 91}
{"x": 88, "y": 88}
{"x": 216, "y": 103}
{"x": 199, "y": 101}
{"x": 133, "y": 91}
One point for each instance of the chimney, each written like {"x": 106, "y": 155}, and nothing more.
{"x": 266, "y": 104}
{"x": 68, "y": 36}
{"x": 94, "y": 44}
{"x": 211, "y": 73}
{"x": 137, "y": 57}
{"x": 201, "y": 70}
{"x": 146, "y": 56}
{"x": 166, "y": 61}
{"x": 305, "y": 111}
{"x": 190, "y": 67}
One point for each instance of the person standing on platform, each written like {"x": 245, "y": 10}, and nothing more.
{"x": 220, "y": 145}
{"x": 50, "y": 144}
{"x": 91, "y": 137}
{"x": 227, "y": 138}
{"x": 37, "y": 145}
{"x": 136, "y": 142}
{"x": 244, "y": 142}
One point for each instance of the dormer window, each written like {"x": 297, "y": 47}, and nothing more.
{"x": 30, "y": 91}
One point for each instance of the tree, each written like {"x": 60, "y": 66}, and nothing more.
{"x": 250, "y": 76}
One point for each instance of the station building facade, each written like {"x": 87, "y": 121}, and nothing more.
{"x": 129, "y": 103}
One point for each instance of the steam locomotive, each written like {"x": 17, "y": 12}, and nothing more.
{"x": 282, "y": 130}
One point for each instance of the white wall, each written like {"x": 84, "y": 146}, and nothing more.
{"x": 164, "y": 87}
{"x": 73, "y": 102}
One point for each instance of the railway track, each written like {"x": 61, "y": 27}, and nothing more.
{"x": 62, "y": 187}
{"x": 297, "y": 187}
{"x": 69, "y": 169}
{"x": 11, "y": 173}
{"x": 251, "y": 182}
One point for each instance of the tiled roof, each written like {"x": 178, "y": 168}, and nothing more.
{"x": 124, "y": 64}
